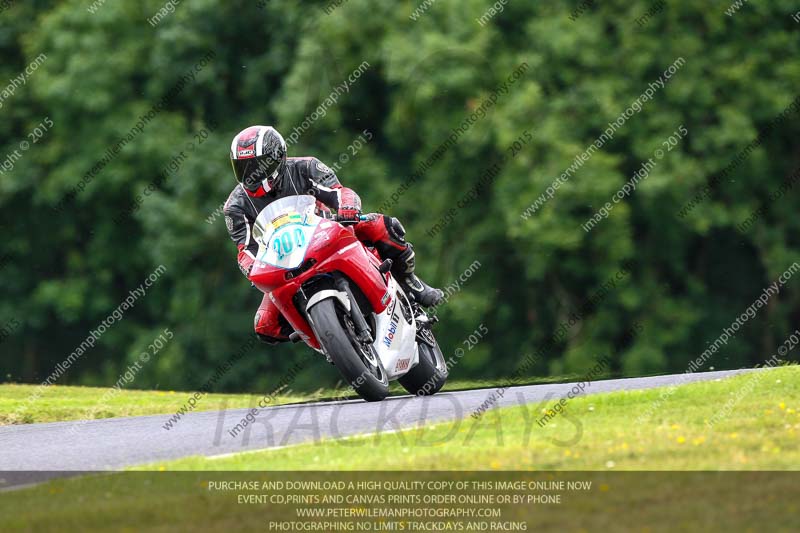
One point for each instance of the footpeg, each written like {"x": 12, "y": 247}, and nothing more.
{"x": 295, "y": 337}
{"x": 424, "y": 318}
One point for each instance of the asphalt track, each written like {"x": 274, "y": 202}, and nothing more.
{"x": 35, "y": 452}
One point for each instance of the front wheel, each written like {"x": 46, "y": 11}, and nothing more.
{"x": 357, "y": 362}
{"x": 430, "y": 374}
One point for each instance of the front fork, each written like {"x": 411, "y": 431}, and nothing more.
{"x": 363, "y": 332}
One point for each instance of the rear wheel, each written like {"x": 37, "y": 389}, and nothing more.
{"x": 430, "y": 374}
{"x": 357, "y": 362}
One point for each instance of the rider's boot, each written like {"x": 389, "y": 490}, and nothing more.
{"x": 403, "y": 270}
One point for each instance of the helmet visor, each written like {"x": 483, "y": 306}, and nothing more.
{"x": 253, "y": 171}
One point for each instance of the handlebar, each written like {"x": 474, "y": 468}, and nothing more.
{"x": 361, "y": 218}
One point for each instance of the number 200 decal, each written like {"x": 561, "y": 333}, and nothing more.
{"x": 284, "y": 244}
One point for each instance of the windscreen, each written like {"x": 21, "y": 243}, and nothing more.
{"x": 283, "y": 231}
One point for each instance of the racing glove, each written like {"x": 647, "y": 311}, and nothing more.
{"x": 349, "y": 205}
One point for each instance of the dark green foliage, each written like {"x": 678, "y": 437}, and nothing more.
{"x": 63, "y": 271}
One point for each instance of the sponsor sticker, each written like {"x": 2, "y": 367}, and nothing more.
{"x": 286, "y": 218}
{"x": 389, "y": 338}
{"x": 229, "y": 223}
{"x": 402, "y": 364}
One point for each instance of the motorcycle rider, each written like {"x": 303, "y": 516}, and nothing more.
{"x": 265, "y": 174}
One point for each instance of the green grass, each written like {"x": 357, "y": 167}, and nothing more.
{"x": 760, "y": 432}
{"x": 62, "y": 403}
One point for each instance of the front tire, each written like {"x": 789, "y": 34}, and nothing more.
{"x": 430, "y": 374}
{"x": 358, "y": 363}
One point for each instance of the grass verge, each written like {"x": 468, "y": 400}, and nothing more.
{"x": 756, "y": 423}
{"x": 64, "y": 403}
{"x": 613, "y": 431}
{"x": 61, "y": 403}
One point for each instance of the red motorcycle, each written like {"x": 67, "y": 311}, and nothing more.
{"x": 342, "y": 301}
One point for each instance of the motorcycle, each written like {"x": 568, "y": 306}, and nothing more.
{"x": 342, "y": 301}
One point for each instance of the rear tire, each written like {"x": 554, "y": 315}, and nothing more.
{"x": 430, "y": 374}
{"x": 358, "y": 363}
